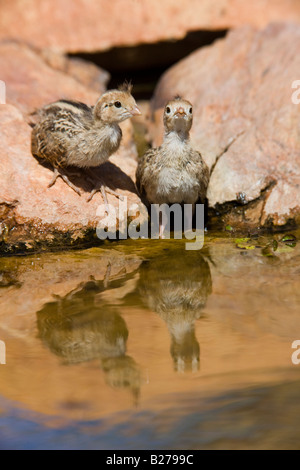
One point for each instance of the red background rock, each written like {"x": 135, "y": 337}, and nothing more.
{"x": 89, "y": 25}
{"x": 31, "y": 82}
{"x": 245, "y": 123}
{"x": 30, "y": 213}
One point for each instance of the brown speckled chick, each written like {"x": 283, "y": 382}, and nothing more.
{"x": 72, "y": 134}
{"x": 173, "y": 172}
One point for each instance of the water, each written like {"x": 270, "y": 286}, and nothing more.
{"x": 144, "y": 345}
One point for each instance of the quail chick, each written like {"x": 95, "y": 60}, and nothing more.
{"x": 173, "y": 172}
{"x": 72, "y": 134}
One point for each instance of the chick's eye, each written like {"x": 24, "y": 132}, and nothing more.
{"x": 118, "y": 104}
{"x": 191, "y": 110}
{"x": 168, "y": 110}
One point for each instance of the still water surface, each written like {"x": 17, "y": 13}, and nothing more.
{"x": 144, "y": 345}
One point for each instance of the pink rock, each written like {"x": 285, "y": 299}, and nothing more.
{"x": 32, "y": 215}
{"x": 245, "y": 122}
{"x": 31, "y": 82}
{"x": 90, "y": 25}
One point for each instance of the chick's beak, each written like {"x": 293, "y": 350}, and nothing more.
{"x": 180, "y": 112}
{"x": 135, "y": 111}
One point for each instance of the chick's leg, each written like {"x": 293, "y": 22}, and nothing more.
{"x": 161, "y": 231}
{"x": 163, "y": 222}
{"x": 59, "y": 173}
{"x": 189, "y": 210}
{"x": 102, "y": 189}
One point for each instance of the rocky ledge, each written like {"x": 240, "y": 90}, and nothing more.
{"x": 246, "y": 125}
{"x": 93, "y": 26}
{"x": 33, "y": 216}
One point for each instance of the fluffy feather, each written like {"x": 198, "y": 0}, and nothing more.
{"x": 173, "y": 172}
{"x": 70, "y": 133}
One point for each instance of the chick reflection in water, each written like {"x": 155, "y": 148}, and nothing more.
{"x": 176, "y": 287}
{"x": 80, "y": 327}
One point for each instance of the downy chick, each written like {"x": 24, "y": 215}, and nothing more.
{"x": 72, "y": 134}
{"x": 173, "y": 172}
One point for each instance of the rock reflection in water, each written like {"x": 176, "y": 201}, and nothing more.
{"x": 82, "y": 327}
{"x": 9, "y": 278}
{"x": 176, "y": 287}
